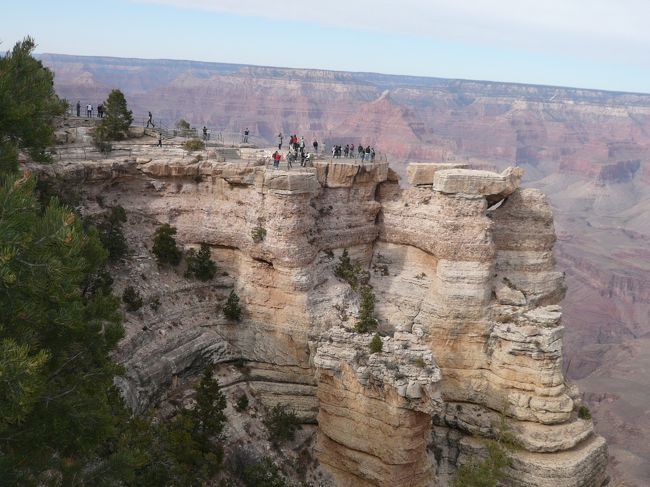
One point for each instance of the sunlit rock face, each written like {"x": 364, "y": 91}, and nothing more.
{"x": 466, "y": 302}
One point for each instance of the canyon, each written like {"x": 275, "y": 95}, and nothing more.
{"x": 462, "y": 267}
{"x": 586, "y": 150}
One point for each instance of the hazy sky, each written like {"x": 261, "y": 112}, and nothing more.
{"x": 584, "y": 43}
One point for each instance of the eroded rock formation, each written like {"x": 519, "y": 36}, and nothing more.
{"x": 467, "y": 303}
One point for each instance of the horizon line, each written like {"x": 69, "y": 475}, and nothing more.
{"x": 535, "y": 85}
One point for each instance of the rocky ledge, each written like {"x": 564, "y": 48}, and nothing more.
{"x": 467, "y": 304}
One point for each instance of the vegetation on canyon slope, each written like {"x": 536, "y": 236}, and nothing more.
{"x": 61, "y": 420}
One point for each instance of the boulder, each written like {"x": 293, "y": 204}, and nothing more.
{"x": 422, "y": 173}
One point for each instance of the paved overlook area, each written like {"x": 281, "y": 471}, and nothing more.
{"x": 462, "y": 268}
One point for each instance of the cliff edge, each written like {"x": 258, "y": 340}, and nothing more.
{"x": 462, "y": 269}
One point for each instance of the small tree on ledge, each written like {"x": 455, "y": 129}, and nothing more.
{"x": 115, "y": 125}
{"x": 164, "y": 245}
{"x": 200, "y": 264}
{"x": 367, "y": 322}
{"x": 376, "y": 344}
{"x": 232, "y": 310}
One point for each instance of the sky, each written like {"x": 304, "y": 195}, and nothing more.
{"x": 602, "y": 44}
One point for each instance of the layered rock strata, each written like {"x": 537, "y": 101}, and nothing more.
{"x": 467, "y": 296}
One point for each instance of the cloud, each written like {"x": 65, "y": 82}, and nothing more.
{"x": 600, "y": 29}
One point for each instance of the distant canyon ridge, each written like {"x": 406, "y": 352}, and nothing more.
{"x": 588, "y": 150}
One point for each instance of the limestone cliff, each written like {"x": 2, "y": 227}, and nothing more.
{"x": 463, "y": 271}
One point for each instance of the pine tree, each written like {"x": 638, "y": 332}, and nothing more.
{"x": 376, "y": 344}
{"x": 164, "y": 245}
{"x": 208, "y": 413}
{"x": 115, "y": 124}
{"x": 28, "y": 106}
{"x": 367, "y": 322}
{"x": 111, "y": 233}
{"x": 57, "y": 406}
{"x": 232, "y": 310}
{"x": 200, "y": 264}
{"x": 55, "y": 340}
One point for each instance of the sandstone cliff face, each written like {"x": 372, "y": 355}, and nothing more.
{"x": 467, "y": 303}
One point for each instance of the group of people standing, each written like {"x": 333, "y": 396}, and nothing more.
{"x": 297, "y": 152}
{"x": 90, "y": 109}
{"x": 365, "y": 154}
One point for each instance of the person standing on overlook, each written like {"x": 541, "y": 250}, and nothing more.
{"x": 89, "y": 110}
{"x": 246, "y": 136}
{"x": 150, "y": 121}
{"x": 280, "y": 141}
{"x": 315, "y": 144}
{"x": 78, "y": 108}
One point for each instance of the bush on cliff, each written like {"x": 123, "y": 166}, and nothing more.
{"x": 484, "y": 473}
{"x": 258, "y": 234}
{"x": 264, "y": 473}
{"x": 132, "y": 299}
{"x": 282, "y": 424}
{"x": 347, "y": 271}
{"x": 164, "y": 246}
{"x": 583, "y": 412}
{"x": 200, "y": 264}
{"x": 489, "y": 471}
{"x": 232, "y": 310}
{"x": 193, "y": 144}
{"x": 366, "y": 322}
{"x": 186, "y": 450}
{"x": 111, "y": 234}
{"x": 376, "y": 344}
{"x": 183, "y": 124}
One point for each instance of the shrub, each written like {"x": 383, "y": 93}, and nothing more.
{"x": 131, "y": 299}
{"x": 183, "y": 124}
{"x": 193, "y": 144}
{"x": 282, "y": 424}
{"x": 232, "y": 310}
{"x": 164, "y": 245}
{"x": 242, "y": 402}
{"x": 367, "y": 322}
{"x": 346, "y": 271}
{"x": 154, "y": 304}
{"x": 583, "y": 412}
{"x": 264, "y": 473}
{"x": 199, "y": 264}
{"x": 484, "y": 473}
{"x": 258, "y": 234}
{"x": 111, "y": 233}
{"x": 419, "y": 361}
{"x": 376, "y": 344}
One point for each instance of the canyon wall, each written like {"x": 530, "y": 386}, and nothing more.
{"x": 462, "y": 268}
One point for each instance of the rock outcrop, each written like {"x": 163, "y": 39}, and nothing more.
{"x": 466, "y": 303}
